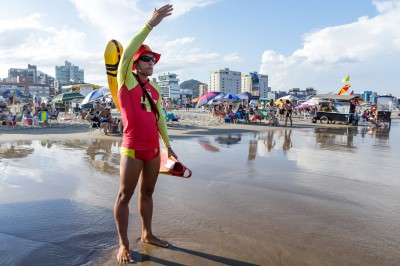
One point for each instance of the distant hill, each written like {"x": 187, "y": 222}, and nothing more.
{"x": 190, "y": 84}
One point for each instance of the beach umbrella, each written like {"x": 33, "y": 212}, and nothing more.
{"x": 26, "y": 95}
{"x": 6, "y": 93}
{"x": 206, "y": 98}
{"x": 67, "y": 96}
{"x": 195, "y": 100}
{"x": 313, "y": 101}
{"x": 284, "y": 98}
{"x": 96, "y": 94}
{"x": 244, "y": 95}
{"x": 303, "y": 106}
{"x": 229, "y": 98}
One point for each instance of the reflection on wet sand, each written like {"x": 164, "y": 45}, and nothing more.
{"x": 229, "y": 139}
{"x": 252, "y": 150}
{"x": 254, "y": 199}
{"x": 337, "y": 138}
{"x": 100, "y": 155}
{"x": 269, "y": 140}
{"x": 15, "y": 150}
{"x": 287, "y": 143}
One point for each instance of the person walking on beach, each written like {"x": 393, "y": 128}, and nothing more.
{"x": 289, "y": 111}
{"x": 143, "y": 119}
{"x": 271, "y": 113}
{"x": 187, "y": 102}
{"x": 281, "y": 107}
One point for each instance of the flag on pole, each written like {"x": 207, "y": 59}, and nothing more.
{"x": 345, "y": 79}
{"x": 344, "y": 89}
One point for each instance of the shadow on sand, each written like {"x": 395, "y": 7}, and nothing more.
{"x": 140, "y": 257}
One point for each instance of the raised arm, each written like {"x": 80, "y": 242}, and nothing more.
{"x": 125, "y": 67}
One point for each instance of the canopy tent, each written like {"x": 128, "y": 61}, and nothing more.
{"x": 339, "y": 97}
{"x": 68, "y": 96}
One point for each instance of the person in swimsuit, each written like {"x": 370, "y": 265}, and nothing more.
{"x": 143, "y": 120}
{"x": 289, "y": 111}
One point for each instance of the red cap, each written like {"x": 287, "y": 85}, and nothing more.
{"x": 144, "y": 49}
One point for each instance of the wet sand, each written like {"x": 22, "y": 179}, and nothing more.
{"x": 260, "y": 200}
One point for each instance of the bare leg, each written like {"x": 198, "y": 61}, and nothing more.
{"x": 129, "y": 175}
{"x": 148, "y": 181}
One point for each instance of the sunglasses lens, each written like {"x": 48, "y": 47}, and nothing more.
{"x": 146, "y": 58}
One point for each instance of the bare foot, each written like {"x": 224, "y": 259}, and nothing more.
{"x": 124, "y": 256}
{"x": 155, "y": 241}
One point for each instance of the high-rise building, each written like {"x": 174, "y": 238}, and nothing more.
{"x": 169, "y": 85}
{"x": 301, "y": 94}
{"x": 203, "y": 89}
{"x": 225, "y": 81}
{"x": 256, "y": 84}
{"x": 15, "y": 73}
{"x": 29, "y": 80}
{"x": 69, "y": 74}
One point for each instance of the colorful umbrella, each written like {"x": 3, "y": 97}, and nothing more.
{"x": 206, "y": 98}
{"x": 195, "y": 100}
{"x": 96, "y": 94}
{"x": 229, "y": 98}
{"x": 284, "y": 98}
{"x": 303, "y": 106}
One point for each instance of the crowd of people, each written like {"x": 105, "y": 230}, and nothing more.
{"x": 30, "y": 113}
{"x": 244, "y": 112}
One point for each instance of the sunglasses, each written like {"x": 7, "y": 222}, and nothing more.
{"x": 146, "y": 58}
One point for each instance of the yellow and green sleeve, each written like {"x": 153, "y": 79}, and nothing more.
{"x": 124, "y": 75}
{"x": 162, "y": 122}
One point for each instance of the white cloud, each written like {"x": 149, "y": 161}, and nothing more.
{"x": 118, "y": 22}
{"x": 233, "y": 57}
{"x": 27, "y": 40}
{"x": 367, "y": 49}
{"x": 182, "y": 7}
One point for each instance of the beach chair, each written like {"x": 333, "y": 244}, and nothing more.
{"x": 54, "y": 117}
{"x": 43, "y": 117}
{"x": 240, "y": 118}
{"x": 165, "y": 114}
{"x": 264, "y": 114}
{"x": 93, "y": 125}
{"x": 170, "y": 116}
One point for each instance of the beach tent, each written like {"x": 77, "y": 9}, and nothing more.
{"x": 68, "y": 96}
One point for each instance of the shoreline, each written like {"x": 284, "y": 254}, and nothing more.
{"x": 192, "y": 124}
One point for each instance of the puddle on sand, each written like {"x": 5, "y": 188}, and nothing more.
{"x": 251, "y": 198}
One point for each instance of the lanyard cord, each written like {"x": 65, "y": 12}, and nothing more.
{"x": 146, "y": 94}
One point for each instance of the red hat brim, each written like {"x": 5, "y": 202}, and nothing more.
{"x": 144, "y": 49}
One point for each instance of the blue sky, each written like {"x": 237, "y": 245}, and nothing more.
{"x": 299, "y": 44}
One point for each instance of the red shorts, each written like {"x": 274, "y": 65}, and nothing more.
{"x": 144, "y": 155}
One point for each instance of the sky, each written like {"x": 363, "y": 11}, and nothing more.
{"x": 298, "y": 44}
